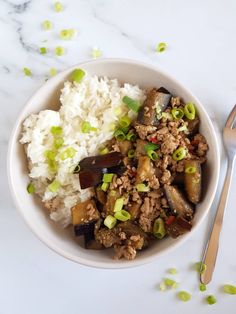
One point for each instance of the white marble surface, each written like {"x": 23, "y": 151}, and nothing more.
{"x": 202, "y": 55}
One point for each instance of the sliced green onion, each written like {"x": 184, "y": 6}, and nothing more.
{"x": 161, "y": 47}
{"x": 104, "y": 151}
{"x": 172, "y": 271}
{"x": 113, "y": 193}
{"x": 107, "y": 177}
{"x": 151, "y": 146}
{"x": 87, "y": 128}
{"x": 77, "y": 75}
{"x": 43, "y": 50}
{"x": 58, "y": 7}
{"x": 47, "y": 25}
{"x": 58, "y": 142}
{"x": 68, "y": 34}
{"x": 124, "y": 121}
{"x": 96, "y": 53}
{"x": 110, "y": 222}
{"x": 119, "y": 135}
{"x": 211, "y": 299}
{"x": 177, "y": 113}
{"x": 27, "y": 72}
{"x": 200, "y": 267}
{"x": 77, "y": 169}
{"x": 122, "y": 215}
{"x": 202, "y": 287}
{"x": 183, "y": 128}
{"x": 162, "y": 286}
{"x": 190, "y": 111}
{"x": 184, "y": 296}
{"x": 52, "y": 72}
{"x": 167, "y": 116}
{"x": 52, "y": 165}
{"x": 105, "y": 186}
{"x": 68, "y": 153}
{"x": 131, "y": 136}
{"x": 56, "y": 130}
{"x": 141, "y": 187}
{"x": 30, "y": 188}
{"x": 159, "y": 230}
{"x": 131, "y": 103}
{"x": 170, "y": 283}
{"x": 179, "y": 154}
{"x": 54, "y": 186}
{"x": 125, "y": 129}
{"x": 50, "y": 154}
{"x": 152, "y": 155}
{"x": 119, "y": 203}
{"x": 190, "y": 169}
{"x": 118, "y": 111}
{"x": 229, "y": 289}
{"x": 131, "y": 153}
{"x": 59, "y": 51}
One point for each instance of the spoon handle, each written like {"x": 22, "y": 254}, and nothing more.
{"x": 211, "y": 250}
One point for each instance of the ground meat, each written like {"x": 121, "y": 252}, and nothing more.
{"x": 202, "y": 146}
{"x": 144, "y": 130}
{"x": 150, "y": 210}
{"x": 166, "y": 177}
{"x": 91, "y": 213}
{"x": 126, "y": 251}
{"x": 169, "y": 144}
{"x": 175, "y": 101}
{"x": 52, "y": 204}
{"x": 107, "y": 237}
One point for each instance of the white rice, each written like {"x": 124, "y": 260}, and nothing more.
{"x": 96, "y": 100}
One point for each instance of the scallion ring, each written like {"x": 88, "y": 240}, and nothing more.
{"x": 190, "y": 111}
{"x": 179, "y": 154}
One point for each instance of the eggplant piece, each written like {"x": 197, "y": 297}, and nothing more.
{"x": 124, "y": 146}
{"x": 193, "y": 181}
{"x": 119, "y": 170}
{"x": 179, "y": 179}
{"x": 85, "y": 228}
{"x": 134, "y": 210}
{"x": 156, "y": 97}
{"x": 110, "y": 203}
{"x": 178, "y": 202}
{"x": 89, "y": 179}
{"x": 140, "y": 150}
{"x": 101, "y": 196}
{"x": 178, "y": 227}
{"x": 101, "y": 161}
{"x": 81, "y": 213}
{"x": 145, "y": 169}
{"x": 193, "y": 125}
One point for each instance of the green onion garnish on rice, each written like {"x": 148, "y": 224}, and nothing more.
{"x": 56, "y": 130}
{"x": 54, "y": 186}
{"x": 131, "y": 103}
{"x": 87, "y": 128}
{"x": 68, "y": 153}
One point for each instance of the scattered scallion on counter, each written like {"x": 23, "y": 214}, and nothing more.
{"x": 107, "y": 177}
{"x": 190, "y": 170}
{"x": 162, "y": 286}
{"x": 43, "y": 50}
{"x": 58, "y": 7}
{"x": 172, "y": 271}
{"x": 54, "y": 186}
{"x": 122, "y": 215}
{"x": 141, "y": 187}
{"x": 170, "y": 283}
{"x": 190, "y": 111}
{"x": 184, "y": 296}
{"x": 30, "y": 188}
{"x": 96, "y": 53}
{"x": 202, "y": 287}
{"x": 229, "y": 289}
{"x": 200, "y": 267}
{"x": 110, "y": 222}
{"x": 47, "y": 25}
{"x": 87, "y": 128}
{"x": 27, "y": 72}
{"x": 159, "y": 230}
{"x": 59, "y": 51}
{"x": 68, "y": 34}
{"x": 160, "y": 47}
{"x": 52, "y": 72}
{"x": 179, "y": 154}
{"x": 77, "y": 75}
{"x": 131, "y": 103}
{"x": 119, "y": 203}
{"x": 211, "y": 299}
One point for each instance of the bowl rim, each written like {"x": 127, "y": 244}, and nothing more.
{"x": 112, "y": 264}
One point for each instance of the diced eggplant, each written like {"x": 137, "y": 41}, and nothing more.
{"x": 84, "y": 228}
{"x": 140, "y": 150}
{"x": 178, "y": 202}
{"x": 131, "y": 229}
{"x": 124, "y": 146}
{"x": 178, "y": 227}
{"x": 119, "y": 170}
{"x": 101, "y": 196}
{"x": 145, "y": 169}
{"x": 192, "y": 181}
{"x": 193, "y": 125}
{"x": 179, "y": 179}
{"x": 110, "y": 203}
{"x": 157, "y": 100}
{"x": 101, "y": 161}
{"x": 92, "y": 244}
{"x": 134, "y": 210}
{"x": 81, "y": 213}
{"x": 89, "y": 179}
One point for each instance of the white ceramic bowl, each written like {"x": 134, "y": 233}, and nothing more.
{"x": 30, "y": 208}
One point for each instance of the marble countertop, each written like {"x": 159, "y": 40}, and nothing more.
{"x": 201, "y": 54}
